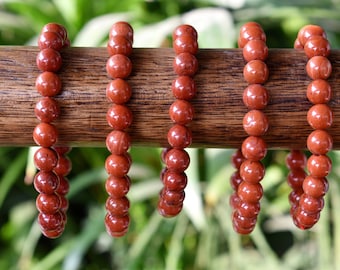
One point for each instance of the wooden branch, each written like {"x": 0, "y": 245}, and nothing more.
{"x": 219, "y": 109}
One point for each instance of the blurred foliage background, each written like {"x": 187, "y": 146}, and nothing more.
{"x": 201, "y": 237}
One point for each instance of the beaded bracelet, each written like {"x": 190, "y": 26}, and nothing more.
{"x": 119, "y": 117}
{"x": 181, "y": 113}
{"x": 50, "y": 160}
{"x": 312, "y": 39}
{"x": 250, "y": 171}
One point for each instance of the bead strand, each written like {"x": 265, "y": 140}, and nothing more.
{"x": 51, "y": 185}
{"x": 181, "y": 112}
{"x": 245, "y": 202}
{"x": 119, "y": 118}
{"x": 312, "y": 39}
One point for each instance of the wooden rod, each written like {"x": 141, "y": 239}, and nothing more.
{"x": 219, "y": 109}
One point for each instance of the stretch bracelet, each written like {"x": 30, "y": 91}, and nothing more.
{"x": 50, "y": 159}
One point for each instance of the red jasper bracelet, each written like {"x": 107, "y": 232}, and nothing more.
{"x": 50, "y": 159}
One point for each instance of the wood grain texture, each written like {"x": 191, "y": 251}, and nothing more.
{"x": 219, "y": 109}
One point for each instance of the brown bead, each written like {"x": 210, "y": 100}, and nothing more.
{"x": 117, "y": 226}
{"x": 308, "y": 31}
{"x": 117, "y": 186}
{"x": 64, "y": 203}
{"x": 185, "y": 64}
{"x": 181, "y": 112}
{"x": 295, "y": 196}
{"x": 296, "y": 177}
{"x": 252, "y": 171}
{"x": 250, "y": 32}
{"x": 319, "y": 142}
{"x": 234, "y": 200}
{"x": 315, "y": 187}
{"x": 235, "y": 180}
{"x": 48, "y": 203}
{"x": 122, "y": 29}
{"x": 183, "y": 87}
{"x": 45, "y": 159}
{"x": 319, "y": 67}
{"x": 320, "y": 116}
{"x": 48, "y": 84}
{"x": 243, "y": 222}
{"x": 177, "y": 160}
{"x": 255, "y": 123}
{"x": 319, "y": 165}
{"x": 185, "y": 44}
{"x": 248, "y": 210}
{"x": 50, "y": 40}
{"x": 304, "y": 220}
{"x": 45, "y": 134}
{"x": 184, "y": 30}
{"x": 254, "y": 148}
{"x": 171, "y": 197}
{"x": 47, "y": 110}
{"x": 57, "y": 28}
{"x": 317, "y": 45}
{"x": 179, "y": 136}
{"x": 174, "y": 181}
{"x": 255, "y": 49}
{"x": 237, "y": 158}
{"x": 319, "y": 91}
{"x": 64, "y": 185}
{"x": 118, "y": 91}
{"x": 49, "y": 60}
{"x": 255, "y": 97}
{"x": 46, "y": 182}
{"x": 169, "y": 210}
{"x": 64, "y": 166}
{"x": 119, "y": 45}
{"x": 51, "y": 222}
{"x": 62, "y": 149}
{"x": 256, "y": 72}
{"x": 251, "y": 193}
{"x": 297, "y": 44}
{"x": 296, "y": 159}
{"x": 119, "y": 66}
{"x": 118, "y": 142}
{"x": 119, "y": 117}
{"x": 117, "y": 165}
{"x": 117, "y": 206}
{"x": 311, "y": 205}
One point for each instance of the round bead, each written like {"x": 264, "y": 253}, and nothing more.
{"x": 185, "y": 44}
{"x": 184, "y": 87}
{"x": 117, "y": 206}
{"x": 248, "y": 210}
{"x": 295, "y": 196}
{"x": 64, "y": 204}
{"x": 117, "y": 226}
{"x": 48, "y": 84}
{"x": 181, "y": 112}
{"x": 317, "y": 45}
{"x": 45, "y": 134}
{"x": 254, "y": 148}
{"x": 184, "y": 30}
{"x": 319, "y": 165}
{"x": 51, "y": 222}
{"x": 185, "y": 64}
{"x": 179, "y": 136}
{"x": 177, "y": 160}
{"x": 255, "y": 123}
{"x": 57, "y": 28}
{"x": 250, "y": 193}
{"x": 117, "y": 187}
{"x": 234, "y": 200}
{"x": 237, "y": 158}
{"x": 315, "y": 187}
{"x": 171, "y": 197}
{"x": 319, "y": 142}
{"x": 118, "y": 91}
{"x": 47, "y": 110}
{"x": 311, "y": 205}
{"x": 319, "y": 91}
{"x": 62, "y": 150}
{"x": 122, "y": 29}
{"x": 320, "y": 116}
{"x": 48, "y": 203}
{"x": 296, "y": 177}
{"x": 45, "y": 159}
{"x": 64, "y": 166}
{"x": 255, "y": 49}
{"x": 235, "y": 180}
{"x": 119, "y": 66}
{"x": 243, "y": 222}
{"x": 308, "y": 31}
{"x": 256, "y": 72}
{"x": 296, "y": 159}
{"x": 64, "y": 186}
{"x": 255, "y": 96}
{"x": 252, "y": 171}
{"x": 49, "y": 60}
{"x": 119, "y": 117}
{"x": 174, "y": 181}
{"x": 250, "y": 32}
{"x": 304, "y": 220}
{"x": 297, "y": 44}
{"x": 50, "y": 40}
{"x": 319, "y": 67}
{"x": 119, "y": 45}
{"x": 118, "y": 142}
{"x": 169, "y": 210}
{"x": 46, "y": 182}
{"x": 117, "y": 165}
{"x": 240, "y": 230}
